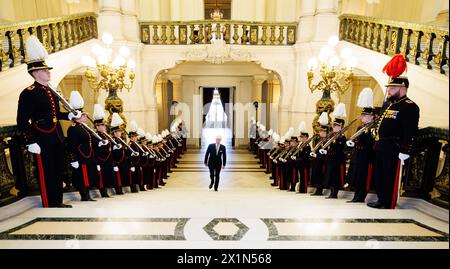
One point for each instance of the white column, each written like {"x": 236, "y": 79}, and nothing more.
{"x": 306, "y": 24}
{"x": 110, "y": 19}
{"x": 257, "y": 90}
{"x": 156, "y": 10}
{"x": 130, "y": 23}
{"x": 175, "y": 10}
{"x": 327, "y": 21}
{"x": 260, "y": 10}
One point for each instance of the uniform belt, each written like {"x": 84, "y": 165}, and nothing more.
{"x": 389, "y": 138}
{"x": 42, "y": 121}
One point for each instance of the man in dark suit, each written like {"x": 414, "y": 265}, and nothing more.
{"x": 215, "y": 160}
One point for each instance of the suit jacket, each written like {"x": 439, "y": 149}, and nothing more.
{"x": 213, "y": 159}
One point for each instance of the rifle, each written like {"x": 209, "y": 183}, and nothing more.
{"x": 363, "y": 129}
{"x": 67, "y": 105}
{"x": 337, "y": 134}
{"x": 301, "y": 146}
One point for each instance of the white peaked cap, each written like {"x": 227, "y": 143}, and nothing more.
{"x": 155, "y": 139}
{"x": 262, "y": 127}
{"x": 148, "y": 136}
{"x": 116, "y": 120}
{"x": 282, "y": 140}
{"x": 173, "y": 129}
{"x": 140, "y": 132}
{"x": 258, "y": 123}
{"x": 365, "y": 98}
{"x": 302, "y": 127}
{"x": 339, "y": 111}
{"x": 323, "y": 119}
{"x": 76, "y": 101}
{"x": 270, "y": 132}
{"x": 289, "y": 133}
{"x": 133, "y": 126}
{"x": 35, "y": 50}
{"x": 99, "y": 112}
{"x": 276, "y": 138}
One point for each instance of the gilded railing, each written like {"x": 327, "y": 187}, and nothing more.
{"x": 234, "y": 32}
{"x": 422, "y": 45}
{"x": 17, "y": 170}
{"x": 55, "y": 33}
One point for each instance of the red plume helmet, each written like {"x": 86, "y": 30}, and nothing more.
{"x": 396, "y": 66}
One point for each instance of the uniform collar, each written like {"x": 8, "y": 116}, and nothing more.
{"x": 39, "y": 85}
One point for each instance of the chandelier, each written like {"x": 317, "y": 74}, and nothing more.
{"x": 108, "y": 73}
{"x": 333, "y": 69}
{"x": 112, "y": 72}
{"x": 336, "y": 75}
{"x": 217, "y": 14}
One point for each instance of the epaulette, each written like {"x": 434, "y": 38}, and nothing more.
{"x": 31, "y": 87}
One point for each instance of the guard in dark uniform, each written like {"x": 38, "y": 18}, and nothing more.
{"x": 302, "y": 160}
{"x": 335, "y": 157}
{"x": 38, "y": 118}
{"x": 292, "y": 168}
{"x": 80, "y": 140}
{"x": 143, "y": 161}
{"x": 395, "y": 133}
{"x": 134, "y": 161}
{"x": 103, "y": 155}
{"x": 360, "y": 172}
{"x": 119, "y": 155}
{"x": 318, "y": 162}
{"x": 277, "y": 149}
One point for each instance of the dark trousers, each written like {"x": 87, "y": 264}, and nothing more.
{"x": 214, "y": 175}
{"x": 360, "y": 176}
{"x": 387, "y": 174}
{"x": 304, "y": 178}
{"x": 49, "y": 165}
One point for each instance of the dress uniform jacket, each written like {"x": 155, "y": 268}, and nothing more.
{"x": 80, "y": 144}
{"x": 395, "y": 134}
{"x": 37, "y": 118}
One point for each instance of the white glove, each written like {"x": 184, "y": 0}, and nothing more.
{"x": 103, "y": 143}
{"x": 118, "y": 146}
{"x": 145, "y": 154}
{"x": 312, "y": 154}
{"x": 293, "y": 158}
{"x": 132, "y": 169}
{"x": 75, "y": 165}
{"x": 403, "y": 157}
{"x": 134, "y": 154}
{"x": 323, "y": 151}
{"x": 99, "y": 168}
{"x": 346, "y": 185}
{"x": 76, "y": 116}
{"x": 116, "y": 169}
{"x": 34, "y": 148}
{"x": 350, "y": 143}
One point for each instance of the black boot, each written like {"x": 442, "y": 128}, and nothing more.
{"x": 119, "y": 190}
{"x": 133, "y": 188}
{"x": 333, "y": 193}
{"x": 88, "y": 196}
{"x": 142, "y": 188}
{"x": 104, "y": 193}
{"x": 83, "y": 194}
{"x": 318, "y": 192}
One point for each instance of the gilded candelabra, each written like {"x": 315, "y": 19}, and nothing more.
{"x": 110, "y": 75}
{"x": 335, "y": 75}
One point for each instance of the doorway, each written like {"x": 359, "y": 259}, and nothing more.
{"x": 217, "y": 116}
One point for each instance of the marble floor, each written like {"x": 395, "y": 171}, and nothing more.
{"x": 246, "y": 212}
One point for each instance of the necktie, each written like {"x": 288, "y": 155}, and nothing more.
{"x": 217, "y": 149}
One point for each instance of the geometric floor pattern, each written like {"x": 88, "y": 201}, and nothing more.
{"x": 245, "y": 213}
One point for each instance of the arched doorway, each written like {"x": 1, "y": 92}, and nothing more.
{"x": 191, "y": 85}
